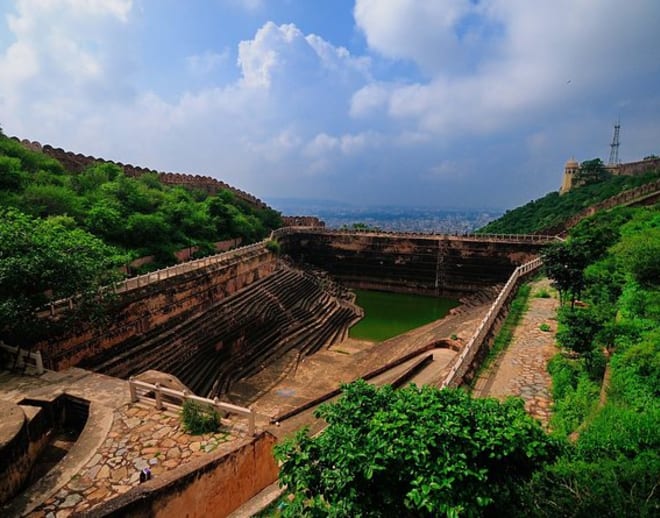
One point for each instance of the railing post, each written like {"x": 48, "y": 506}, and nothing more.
{"x": 39, "y": 362}
{"x": 159, "y": 396}
{"x": 251, "y": 422}
{"x": 132, "y": 389}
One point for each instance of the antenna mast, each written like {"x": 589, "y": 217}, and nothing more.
{"x": 614, "y": 146}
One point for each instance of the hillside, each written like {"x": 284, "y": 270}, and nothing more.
{"x": 552, "y": 210}
{"x": 140, "y": 215}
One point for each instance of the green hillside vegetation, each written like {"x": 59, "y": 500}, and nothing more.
{"x": 140, "y": 216}
{"x": 426, "y": 452}
{"x": 613, "y": 469}
{"x": 553, "y": 208}
{"x": 64, "y": 234}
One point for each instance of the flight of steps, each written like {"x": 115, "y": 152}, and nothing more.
{"x": 291, "y": 309}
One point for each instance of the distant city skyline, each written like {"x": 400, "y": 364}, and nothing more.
{"x": 449, "y": 103}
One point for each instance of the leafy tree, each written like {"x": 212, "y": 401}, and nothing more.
{"x": 564, "y": 263}
{"x": 592, "y": 171}
{"x": 12, "y": 177}
{"x": 413, "y": 452}
{"x": 42, "y": 260}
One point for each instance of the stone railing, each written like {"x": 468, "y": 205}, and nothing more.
{"x": 132, "y": 283}
{"x": 140, "y": 390}
{"x": 24, "y": 358}
{"x": 463, "y": 361}
{"x": 525, "y": 238}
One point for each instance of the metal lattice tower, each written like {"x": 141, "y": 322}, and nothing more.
{"x": 614, "y": 146}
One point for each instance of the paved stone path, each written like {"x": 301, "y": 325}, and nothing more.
{"x": 521, "y": 370}
{"x": 119, "y": 439}
{"x": 140, "y": 437}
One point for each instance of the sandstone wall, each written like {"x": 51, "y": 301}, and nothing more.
{"x": 155, "y": 307}
{"x": 433, "y": 264}
{"x": 207, "y": 488}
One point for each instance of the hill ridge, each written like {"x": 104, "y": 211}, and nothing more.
{"x": 77, "y": 162}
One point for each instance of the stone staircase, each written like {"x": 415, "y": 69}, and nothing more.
{"x": 290, "y": 310}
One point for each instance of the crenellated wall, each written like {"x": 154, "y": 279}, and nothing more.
{"x": 431, "y": 264}
{"x": 77, "y": 162}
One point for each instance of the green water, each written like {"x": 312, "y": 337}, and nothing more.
{"x": 390, "y": 314}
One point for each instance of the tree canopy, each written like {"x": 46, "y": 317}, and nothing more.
{"x": 417, "y": 451}
{"x": 139, "y": 215}
{"x": 42, "y": 260}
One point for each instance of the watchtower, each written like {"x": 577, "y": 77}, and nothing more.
{"x": 570, "y": 170}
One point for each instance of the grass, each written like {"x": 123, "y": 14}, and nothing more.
{"x": 543, "y": 293}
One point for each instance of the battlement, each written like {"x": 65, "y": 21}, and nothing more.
{"x": 77, "y": 162}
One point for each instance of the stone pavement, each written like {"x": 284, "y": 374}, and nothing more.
{"x": 119, "y": 439}
{"x": 521, "y": 370}
{"x": 140, "y": 437}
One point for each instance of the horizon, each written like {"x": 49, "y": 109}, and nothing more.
{"x": 463, "y": 105}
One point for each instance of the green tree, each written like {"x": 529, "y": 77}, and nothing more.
{"x": 564, "y": 263}
{"x": 592, "y": 171}
{"x": 412, "y": 452}
{"x": 41, "y": 260}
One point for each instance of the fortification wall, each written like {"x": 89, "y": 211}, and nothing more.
{"x": 77, "y": 162}
{"x": 638, "y": 168}
{"x": 642, "y": 195}
{"x": 152, "y": 308}
{"x": 431, "y": 264}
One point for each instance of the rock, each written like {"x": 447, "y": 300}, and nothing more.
{"x": 70, "y": 501}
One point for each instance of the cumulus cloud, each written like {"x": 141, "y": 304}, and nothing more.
{"x": 531, "y": 57}
{"x": 519, "y": 85}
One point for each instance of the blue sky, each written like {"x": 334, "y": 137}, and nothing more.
{"x": 445, "y": 103}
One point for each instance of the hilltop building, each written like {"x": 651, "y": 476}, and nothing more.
{"x": 640, "y": 167}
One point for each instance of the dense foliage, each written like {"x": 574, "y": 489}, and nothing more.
{"x": 42, "y": 259}
{"x": 553, "y": 208}
{"x": 413, "y": 452}
{"x": 63, "y": 233}
{"x": 139, "y": 215}
{"x": 614, "y": 468}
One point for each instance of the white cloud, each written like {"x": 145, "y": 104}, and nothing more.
{"x": 532, "y": 57}
{"x": 513, "y": 84}
{"x": 206, "y": 62}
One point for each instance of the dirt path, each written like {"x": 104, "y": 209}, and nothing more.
{"x": 521, "y": 370}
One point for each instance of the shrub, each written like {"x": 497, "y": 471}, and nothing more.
{"x": 545, "y": 328}
{"x": 273, "y": 246}
{"x": 543, "y": 294}
{"x": 198, "y": 419}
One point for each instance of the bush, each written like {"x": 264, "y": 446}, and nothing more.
{"x": 576, "y": 405}
{"x": 542, "y": 294}
{"x": 273, "y": 246}
{"x": 198, "y": 419}
{"x": 545, "y": 328}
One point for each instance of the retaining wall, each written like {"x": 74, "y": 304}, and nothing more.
{"x": 157, "y": 300}
{"x": 203, "y": 488}
{"x": 416, "y": 263}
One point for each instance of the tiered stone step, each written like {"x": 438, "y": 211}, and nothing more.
{"x": 289, "y": 310}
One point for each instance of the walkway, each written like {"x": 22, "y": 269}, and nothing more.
{"x": 521, "y": 370}
{"x": 119, "y": 439}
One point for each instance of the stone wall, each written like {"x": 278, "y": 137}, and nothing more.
{"x": 302, "y": 221}
{"x": 432, "y": 264}
{"x": 156, "y": 307}
{"x": 204, "y": 488}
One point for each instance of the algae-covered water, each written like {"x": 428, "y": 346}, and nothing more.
{"x": 390, "y": 314}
